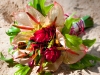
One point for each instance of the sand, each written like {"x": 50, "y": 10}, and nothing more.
{"x": 81, "y": 7}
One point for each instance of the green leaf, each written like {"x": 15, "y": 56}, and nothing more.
{"x": 13, "y": 31}
{"x": 68, "y": 24}
{"x": 31, "y": 53}
{"x": 45, "y": 64}
{"x": 45, "y": 9}
{"x": 18, "y": 65}
{"x": 73, "y": 41}
{"x": 4, "y": 59}
{"x": 15, "y": 23}
{"x": 48, "y": 73}
{"x": 39, "y": 53}
{"x": 87, "y": 61}
{"x": 51, "y": 43}
{"x": 11, "y": 38}
{"x": 40, "y": 6}
{"x": 37, "y": 59}
{"x": 22, "y": 69}
{"x": 88, "y": 42}
{"x": 29, "y": 43}
{"x": 10, "y": 48}
{"x": 33, "y": 3}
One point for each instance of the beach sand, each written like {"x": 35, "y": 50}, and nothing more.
{"x": 81, "y": 7}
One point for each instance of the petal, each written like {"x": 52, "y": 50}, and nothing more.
{"x": 60, "y": 38}
{"x": 40, "y": 37}
{"x": 23, "y": 61}
{"x": 24, "y": 19}
{"x": 20, "y": 53}
{"x": 54, "y": 66}
{"x": 36, "y": 14}
{"x": 70, "y": 57}
{"x": 39, "y": 32}
{"x": 22, "y": 36}
{"x": 46, "y": 22}
{"x": 57, "y": 12}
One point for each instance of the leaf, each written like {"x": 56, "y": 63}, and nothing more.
{"x": 40, "y": 6}
{"x": 31, "y": 53}
{"x": 47, "y": 73}
{"x": 37, "y": 59}
{"x": 68, "y": 24}
{"x": 13, "y": 31}
{"x": 10, "y": 50}
{"x": 45, "y": 64}
{"x": 50, "y": 43}
{"x": 87, "y": 61}
{"x": 39, "y": 52}
{"x": 22, "y": 69}
{"x": 15, "y": 23}
{"x": 88, "y": 42}
{"x": 18, "y": 65}
{"x": 45, "y": 9}
{"x": 73, "y": 42}
{"x": 33, "y": 3}
{"x": 6, "y": 60}
{"x": 11, "y": 38}
{"x": 29, "y": 43}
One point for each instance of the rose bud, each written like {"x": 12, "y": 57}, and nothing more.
{"x": 52, "y": 54}
{"x": 43, "y": 35}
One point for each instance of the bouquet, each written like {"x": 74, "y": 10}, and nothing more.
{"x": 42, "y": 35}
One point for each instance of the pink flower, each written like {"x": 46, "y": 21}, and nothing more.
{"x": 44, "y": 34}
{"x": 52, "y": 54}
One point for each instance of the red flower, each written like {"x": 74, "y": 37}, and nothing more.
{"x": 52, "y": 54}
{"x": 34, "y": 46}
{"x": 44, "y": 34}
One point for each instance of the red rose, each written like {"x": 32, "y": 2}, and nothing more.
{"x": 52, "y": 54}
{"x": 44, "y": 34}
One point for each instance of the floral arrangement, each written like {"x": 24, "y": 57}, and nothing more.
{"x": 42, "y": 35}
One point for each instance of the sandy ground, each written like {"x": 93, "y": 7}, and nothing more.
{"x": 81, "y": 7}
